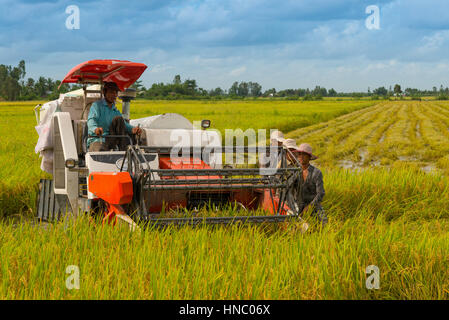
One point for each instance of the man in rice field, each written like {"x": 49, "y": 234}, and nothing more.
{"x": 105, "y": 119}
{"x": 310, "y": 186}
{"x": 276, "y": 139}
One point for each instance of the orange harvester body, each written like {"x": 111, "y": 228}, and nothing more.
{"x": 114, "y": 188}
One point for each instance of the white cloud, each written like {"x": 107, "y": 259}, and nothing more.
{"x": 237, "y": 72}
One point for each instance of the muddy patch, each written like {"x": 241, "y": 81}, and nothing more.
{"x": 363, "y": 154}
{"x": 408, "y": 158}
{"x": 346, "y": 164}
{"x": 430, "y": 168}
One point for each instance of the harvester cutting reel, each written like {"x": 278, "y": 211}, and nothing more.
{"x": 142, "y": 191}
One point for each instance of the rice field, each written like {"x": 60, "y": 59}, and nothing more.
{"x": 256, "y": 114}
{"x": 391, "y": 212}
{"x": 396, "y": 221}
{"x": 390, "y": 134}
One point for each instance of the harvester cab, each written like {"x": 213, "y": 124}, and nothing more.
{"x": 173, "y": 166}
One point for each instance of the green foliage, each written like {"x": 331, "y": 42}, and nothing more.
{"x": 308, "y": 97}
{"x": 9, "y": 80}
{"x": 332, "y": 93}
{"x": 381, "y": 91}
{"x": 245, "y": 89}
{"x": 397, "y": 89}
{"x": 12, "y": 87}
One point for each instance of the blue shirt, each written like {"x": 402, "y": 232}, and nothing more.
{"x": 101, "y": 115}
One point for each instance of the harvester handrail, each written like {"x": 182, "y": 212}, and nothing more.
{"x": 216, "y": 149}
{"x": 229, "y": 172}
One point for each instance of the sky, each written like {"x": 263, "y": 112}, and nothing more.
{"x": 279, "y": 44}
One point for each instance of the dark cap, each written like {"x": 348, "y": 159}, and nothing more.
{"x": 110, "y": 85}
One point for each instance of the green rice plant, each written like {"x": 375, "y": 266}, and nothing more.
{"x": 392, "y": 219}
{"x": 394, "y": 216}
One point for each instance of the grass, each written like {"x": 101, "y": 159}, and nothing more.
{"x": 392, "y": 219}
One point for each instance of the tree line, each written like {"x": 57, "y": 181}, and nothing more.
{"x": 13, "y": 86}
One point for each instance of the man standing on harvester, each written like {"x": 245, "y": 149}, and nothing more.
{"x": 105, "y": 119}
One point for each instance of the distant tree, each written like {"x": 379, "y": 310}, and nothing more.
{"x": 412, "y": 92}
{"x": 177, "y": 79}
{"x": 243, "y": 89}
{"x": 10, "y": 85}
{"x": 318, "y": 91}
{"x": 190, "y": 86}
{"x": 216, "y": 92}
{"x": 270, "y": 92}
{"x": 301, "y": 92}
{"x": 255, "y": 89}
{"x": 137, "y": 85}
{"x": 381, "y": 91}
{"x": 397, "y": 89}
{"x": 233, "y": 91}
{"x": 332, "y": 92}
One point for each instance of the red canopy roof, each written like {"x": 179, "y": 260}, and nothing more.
{"x": 123, "y": 73}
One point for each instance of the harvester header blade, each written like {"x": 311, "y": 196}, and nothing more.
{"x": 197, "y": 221}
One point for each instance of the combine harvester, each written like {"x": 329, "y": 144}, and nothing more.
{"x": 155, "y": 174}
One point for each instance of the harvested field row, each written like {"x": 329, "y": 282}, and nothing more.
{"x": 390, "y": 134}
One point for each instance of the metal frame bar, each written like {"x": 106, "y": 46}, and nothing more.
{"x": 195, "y": 221}
{"x": 215, "y": 149}
{"x": 205, "y": 172}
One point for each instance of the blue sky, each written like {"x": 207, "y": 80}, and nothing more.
{"x": 280, "y": 44}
